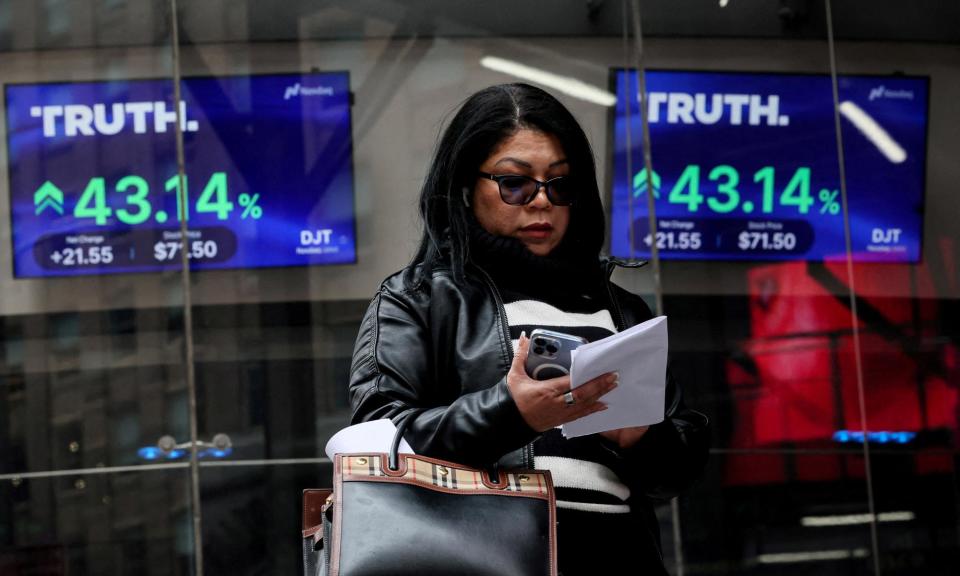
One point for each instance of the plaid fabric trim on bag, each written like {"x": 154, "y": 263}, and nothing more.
{"x": 426, "y": 472}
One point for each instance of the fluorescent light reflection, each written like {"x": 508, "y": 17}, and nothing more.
{"x": 875, "y": 133}
{"x": 816, "y": 556}
{"x": 878, "y": 437}
{"x": 854, "y": 519}
{"x": 565, "y": 84}
{"x": 155, "y": 453}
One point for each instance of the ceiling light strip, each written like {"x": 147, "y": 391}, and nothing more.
{"x": 565, "y": 84}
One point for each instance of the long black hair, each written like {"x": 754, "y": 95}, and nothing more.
{"x": 484, "y": 120}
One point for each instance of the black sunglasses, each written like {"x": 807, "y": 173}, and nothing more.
{"x": 518, "y": 190}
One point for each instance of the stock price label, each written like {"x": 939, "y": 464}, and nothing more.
{"x": 755, "y": 238}
{"x": 158, "y": 248}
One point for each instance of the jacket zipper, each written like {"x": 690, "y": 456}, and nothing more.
{"x": 609, "y": 265}
{"x": 621, "y": 323}
{"x": 505, "y": 328}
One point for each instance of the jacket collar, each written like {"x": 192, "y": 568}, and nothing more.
{"x": 609, "y": 263}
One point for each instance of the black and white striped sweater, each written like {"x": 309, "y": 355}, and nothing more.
{"x": 551, "y": 294}
{"x": 582, "y": 468}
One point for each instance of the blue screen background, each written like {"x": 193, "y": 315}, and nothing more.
{"x": 883, "y": 196}
{"x": 290, "y": 146}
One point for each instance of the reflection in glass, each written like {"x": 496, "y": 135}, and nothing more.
{"x": 114, "y": 523}
{"x": 906, "y": 308}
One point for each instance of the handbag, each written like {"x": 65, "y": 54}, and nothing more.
{"x": 404, "y": 514}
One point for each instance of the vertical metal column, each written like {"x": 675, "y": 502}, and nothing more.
{"x": 647, "y": 156}
{"x": 874, "y": 542}
{"x": 187, "y": 306}
{"x": 652, "y": 218}
{"x": 627, "y": 132}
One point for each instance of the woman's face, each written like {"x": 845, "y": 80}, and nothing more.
{"x": 539, "y": 224}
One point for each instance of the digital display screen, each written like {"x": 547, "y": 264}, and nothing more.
{"x": 745, "y": 166}
{"x": 94, "y": 187}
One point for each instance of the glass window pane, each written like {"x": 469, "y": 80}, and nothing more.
{"x": 896, "y": 86}
{"x": 91, "y": 330}
{"x": 737, "y": 207}
{"x": 135, "y": 522}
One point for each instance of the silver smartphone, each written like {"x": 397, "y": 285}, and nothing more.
{"x": 549, "y": 353}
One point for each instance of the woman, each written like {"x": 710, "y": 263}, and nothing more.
{"x": 513, "y": 227}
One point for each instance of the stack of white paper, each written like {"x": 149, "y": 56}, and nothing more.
{"x": 639, "y": 354}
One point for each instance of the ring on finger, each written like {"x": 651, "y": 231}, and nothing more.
{"x": 569, "y": 399}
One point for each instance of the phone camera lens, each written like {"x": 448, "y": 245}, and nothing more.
{"x": 538, "y": 341}
{"x": 538, "y": 350}
{"x": 551, "y": 349}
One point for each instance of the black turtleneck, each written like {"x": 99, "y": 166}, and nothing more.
{"x": 568, "y": 284}
{"x": 561, "y": 279}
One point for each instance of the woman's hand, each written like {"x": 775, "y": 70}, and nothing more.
{"x": 626, "y": 437}
{"x": 542, "y": 403}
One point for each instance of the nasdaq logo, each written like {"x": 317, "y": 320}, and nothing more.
{"x": 884, "y": 92}
{"x": 733, "y": 109}
{"x": 73, "y": 120}
{"x": 295, "y": 90}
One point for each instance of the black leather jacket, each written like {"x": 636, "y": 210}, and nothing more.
{"x": 444, "y": 348}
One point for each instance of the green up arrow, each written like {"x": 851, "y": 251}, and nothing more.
{"x": 48, "y": 196}
{"x": 640, "y": 183}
